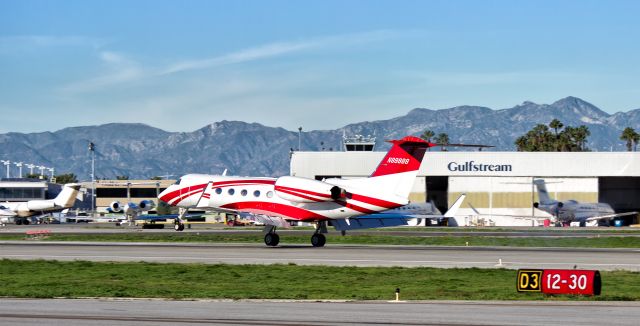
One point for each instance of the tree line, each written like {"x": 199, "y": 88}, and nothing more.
{"x": 555, "y": 137}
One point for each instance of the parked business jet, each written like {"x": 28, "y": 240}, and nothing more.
{"x": 276, "y": 201}
{"x": 573, "y": 211}
{"x": 19, "y": 211}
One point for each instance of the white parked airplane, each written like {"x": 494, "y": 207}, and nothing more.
{"x": 276, "y": 201}
{"x": 573, "y": 211}
{"x": 20, "y": 210}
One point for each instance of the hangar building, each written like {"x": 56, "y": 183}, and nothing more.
{"x": 498, "y": 184}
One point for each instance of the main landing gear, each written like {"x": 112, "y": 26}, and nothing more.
{"x": 271, "y": 238}
{"x": 318, "y": 239}
{"x": 178, "y": 223}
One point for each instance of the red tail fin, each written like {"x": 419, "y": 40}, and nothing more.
{"x": 405, "y": 155}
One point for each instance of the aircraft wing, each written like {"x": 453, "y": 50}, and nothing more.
{"x": 610, "y": 216}
{"x": 266, "y": 220}
{"x": 370, "y": 221}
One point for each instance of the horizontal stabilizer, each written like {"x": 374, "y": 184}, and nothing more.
{"x": 610, "y": 216}
{"x": 454, "y": 208}
{"x": 368, "y": 223}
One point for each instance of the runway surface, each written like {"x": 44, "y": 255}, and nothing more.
{"x": 159, "y": 312}
{"x": 514, "y": 232}
{"x": 335, "y": 255}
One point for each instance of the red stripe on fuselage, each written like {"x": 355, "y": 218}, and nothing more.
{"x": 268, "y": 208}
{"x": 304, "y": 191}
{"x": 300, "y": 195}
{"x": 172, "y": 195}
{"x": 356, "y": 207}
{"x": 375, "y": 201}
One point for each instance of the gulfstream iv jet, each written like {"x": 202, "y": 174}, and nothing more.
{"x": 276, "y": 201}
{"x": 573, "y": 211}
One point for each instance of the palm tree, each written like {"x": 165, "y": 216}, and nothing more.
{"x": 541, "y": 138}
{"x": 555, "y": 124}
{"x": 582, "y": 133}
{"x": 631, "y": 137}
{"x": 427, "y": 135}
{"x": 522, "y": 144}
{"x": 442, "y": 139}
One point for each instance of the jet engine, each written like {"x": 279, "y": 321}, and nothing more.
{"x": 115, "y": 207}
{"x": 131, "y": 208}
{"x": 146, "y": 205}
{"x": 40, "y": 205}
{"x": 303, "y": 190}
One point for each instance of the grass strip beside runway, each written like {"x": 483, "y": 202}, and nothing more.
{"x": 336, "y": 238}
{"x": 47, "y": 279}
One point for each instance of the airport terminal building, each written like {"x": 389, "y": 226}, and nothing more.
{"x": 498, "y": 184}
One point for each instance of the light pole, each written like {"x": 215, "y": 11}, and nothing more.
{"x": 92, "y": 149}
{"x": 51, "y": 171}
{"x": 19, "y": 165}
{"x": 31, "y": 166}
{"x": 299, "y": 137}
{"x": 41, "y": 167}
{"x": 7, "y": 163}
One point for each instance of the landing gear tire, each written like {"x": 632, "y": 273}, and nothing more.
{"x": 179, "y": 227}
{"x": 18, "y": 221}
{"x": 271, "y": 239}
{"x": 318, "y": 240}
{"x": 25, "y": 221}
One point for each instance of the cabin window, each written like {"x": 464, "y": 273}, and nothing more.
{"x": 256, "y": 193}
{"x": 231, "y": 191}
{"x": 243, "y": 192}
{"x": 218, "y": 191}
{"x": 269, "y": 194}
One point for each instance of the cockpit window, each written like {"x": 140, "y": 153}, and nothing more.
{"x": 178, "y": 182}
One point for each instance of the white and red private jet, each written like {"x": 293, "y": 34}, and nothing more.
{"x": 276, "y": 201}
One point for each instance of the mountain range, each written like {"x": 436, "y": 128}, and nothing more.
{"x": 141, "y": 151}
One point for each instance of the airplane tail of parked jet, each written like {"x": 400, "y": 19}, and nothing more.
{"x": 543, "y": 194}
{"x": 67, "y": 196}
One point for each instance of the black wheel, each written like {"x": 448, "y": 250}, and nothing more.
{"x": 271, "y": 239}
{"x": 25, "y": 221}
{"x": 177, "y": 227}
{"x": 318, "y": 240}
{"x": 18, "y": 221}
{"x": 181, "y": 228}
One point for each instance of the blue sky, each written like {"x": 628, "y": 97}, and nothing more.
{"x": 180, "y": 65}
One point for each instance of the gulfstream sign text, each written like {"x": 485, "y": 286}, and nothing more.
{"x": 472, "y": 166}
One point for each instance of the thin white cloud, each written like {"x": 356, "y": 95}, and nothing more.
{"x": 122, "y": 69}
{"x": 278, "y": 49}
